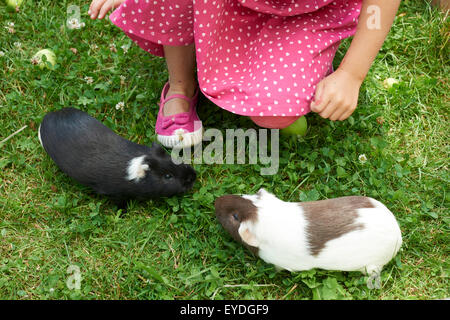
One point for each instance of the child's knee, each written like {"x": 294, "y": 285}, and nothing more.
{"x": 274, "y": 122}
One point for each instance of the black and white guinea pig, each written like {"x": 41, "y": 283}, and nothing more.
{"x": 352, "y": 233}
{"x": 95, "y": 156}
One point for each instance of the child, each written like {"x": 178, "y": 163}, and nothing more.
{"x": 270, "y": 60}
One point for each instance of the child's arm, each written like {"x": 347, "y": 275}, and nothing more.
{"x": 99, "y": 8}
{"x": 336, "y": 96}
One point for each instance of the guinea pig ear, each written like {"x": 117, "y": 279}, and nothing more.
{"x": 247, "y": 236}
{"x": 158, "y": 148}
{"x": 137, "y": 168}
{"x": 266, "y": 195}
{"x": 261, "y": 192}
{"x": 156, "y": 145}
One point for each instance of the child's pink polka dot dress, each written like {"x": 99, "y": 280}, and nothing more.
{"x": 254, "y": 57}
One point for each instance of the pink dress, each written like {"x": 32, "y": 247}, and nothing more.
{"x": 256, "y": 58}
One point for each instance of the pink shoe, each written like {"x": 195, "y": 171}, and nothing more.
{"x": 179, "y": 130}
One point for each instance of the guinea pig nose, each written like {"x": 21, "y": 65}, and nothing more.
{"x": 189, "y": 181}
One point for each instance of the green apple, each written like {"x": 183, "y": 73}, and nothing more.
{"x": 13, "y": 4}
{"x": 50, "y": 59}
{"x": 389, "y": 82}
{"x": 299, "y": 128}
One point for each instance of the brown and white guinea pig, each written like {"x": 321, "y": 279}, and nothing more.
{"x": 95, "y": 156}
{"x": 348, "y": 234}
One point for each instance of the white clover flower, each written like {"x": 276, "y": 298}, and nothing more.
{"x": 10, "y": 27}
{"x": 112, "y": 47}
{"x": 94, "y": 46}
{"x": 18, "y": 44}
{"x": 35, "y": 60}
{"x": 122, "y": 80}
{"x": 89, "y": 80}
{"x": 74, "y": 23}
{"x": 125, "y": 48}
{"x": 120, "y": 106}
{"x": 362, "y": 158}
{"x": 2, "y": 53}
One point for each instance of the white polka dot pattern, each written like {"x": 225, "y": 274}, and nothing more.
{"x": 254, "y": 57}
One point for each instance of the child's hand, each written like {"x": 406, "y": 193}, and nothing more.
{"x": 336, "y": 96}
{"x": 99, "y": 8}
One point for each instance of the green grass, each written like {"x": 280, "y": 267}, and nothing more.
{"x": 173, "y": 248}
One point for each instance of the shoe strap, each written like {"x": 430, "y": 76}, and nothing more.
{"x": 175, "y": 96}
{"x": 179, "y": 96}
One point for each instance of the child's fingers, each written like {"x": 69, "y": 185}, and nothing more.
{"x": 317, "y": 97}
{"x": 346, "y": 114}
{"x": 96, "y": 5}
{"x": 116, "y": 3}
{"x": 108, "y": 5}
{"x": 329, "y": 109}
{"x": 345, "y": 111}
{"x": 337, "y": 114}
{"x": 90, "y": 7}
{"x": 341, "y": 105}
{"x": 319, "y": 106}
{"x": 93, "y": 10}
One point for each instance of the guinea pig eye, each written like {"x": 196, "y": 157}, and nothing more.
{"x": 235, "y": 216}
{"x": 168, "y": 176}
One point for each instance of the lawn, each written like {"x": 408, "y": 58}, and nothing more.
{"x": 173, "y": 248}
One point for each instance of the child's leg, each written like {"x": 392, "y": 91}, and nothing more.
{"x": 180, "y": 62}
{"x": 164, "y": 29}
